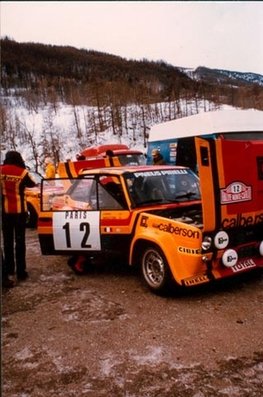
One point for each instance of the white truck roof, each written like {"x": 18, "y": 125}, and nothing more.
{"x": 206, "y": 123}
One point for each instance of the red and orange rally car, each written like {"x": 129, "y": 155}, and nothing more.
{"x": 146, "y": 215}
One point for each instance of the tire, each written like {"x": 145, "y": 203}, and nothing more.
{"x": 31, "y": 221}
{"x": 155, "y": 270}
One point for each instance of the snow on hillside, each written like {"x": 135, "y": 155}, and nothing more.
{"x": 66, "y": 130}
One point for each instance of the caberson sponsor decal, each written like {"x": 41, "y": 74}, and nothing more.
{"x": 179, "y": 231}
{"x": 191, "y": 251}
{"x": 199, "y": 279}
{"x": 242, "y": 221}
{"x": 235, "y": 192}
{"x": 243, "y": 265}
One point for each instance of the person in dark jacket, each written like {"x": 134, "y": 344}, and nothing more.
{"x": 157, "y": 157}
{"x": 14, "y": 179}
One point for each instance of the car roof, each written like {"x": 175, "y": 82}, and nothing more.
{"x": 123, "y": 170}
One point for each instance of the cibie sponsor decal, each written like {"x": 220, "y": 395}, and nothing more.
{"x": 191, "y": 251}
{"x": 235, "y": 192}
{"x": 198, "y": 279}
{"x": 243, "y": 265}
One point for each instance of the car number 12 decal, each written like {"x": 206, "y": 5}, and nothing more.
{"x": 76, "y": 230}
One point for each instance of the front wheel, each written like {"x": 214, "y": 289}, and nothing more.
{"x": 155, "y": 270}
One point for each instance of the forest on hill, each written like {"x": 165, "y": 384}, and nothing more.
{"x": 49, "y": 73}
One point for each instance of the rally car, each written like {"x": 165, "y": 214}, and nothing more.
{"x": 33, "y": 200}
{"x": 33, "y": 195}
{"x": 111, "y": 155}
{"x": 149, "y": 216}
{"x": 125, "y": 155}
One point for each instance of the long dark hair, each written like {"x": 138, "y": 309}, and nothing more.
{"x": 14, "y": 158}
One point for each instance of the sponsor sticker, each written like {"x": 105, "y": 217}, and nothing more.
{"x": 144, "y": 220}
{"x": 242, "y": 221}
{"x": 160, "y": 173}
{"x": 198, "y": 279}
{"x": 177, "y": 230}
{"x": 243, "y": 265}
{"x": 191, "y": 251}
{"x": 235, "y": 192}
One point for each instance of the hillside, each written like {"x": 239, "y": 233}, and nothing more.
{"x": 36, "y": 66}
{"x": 94, "y": 78}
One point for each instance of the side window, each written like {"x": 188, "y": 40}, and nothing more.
{"x": 80, "y": 195}
{"x": 110, "y": 193}
{"x": 81, "y": 191}
{"x": 186, "y": 154}
{"x": 67, "y": 194}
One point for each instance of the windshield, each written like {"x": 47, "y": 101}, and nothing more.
{"x": 163, "y": 186}
{"x": 132, "y": 159}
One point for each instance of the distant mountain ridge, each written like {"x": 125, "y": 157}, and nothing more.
{"x": 223, "y": 76}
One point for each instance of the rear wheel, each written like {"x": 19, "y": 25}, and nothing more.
{"x": 155, "y": 270}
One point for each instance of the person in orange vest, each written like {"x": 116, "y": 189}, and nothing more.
{"x": 50, "y": 171}
{"x": 14, "y": 179}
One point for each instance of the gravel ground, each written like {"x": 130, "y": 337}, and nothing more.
{"x": 105, "y": 334}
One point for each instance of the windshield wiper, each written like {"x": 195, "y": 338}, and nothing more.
{"x": 150, "y": 201}
{"x": 157, "y": 200}
{"x": 186, "y": 195}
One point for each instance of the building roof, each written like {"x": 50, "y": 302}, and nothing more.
{"x": 205, "y": 123}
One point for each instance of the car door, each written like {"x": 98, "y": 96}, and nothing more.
{"x": 89, "y": 217}
{"x": 231, "y": 180}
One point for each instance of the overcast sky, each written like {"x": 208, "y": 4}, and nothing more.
{"x": 225, "y": 35}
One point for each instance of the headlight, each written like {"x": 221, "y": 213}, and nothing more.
{"x": 221, "y": 240}
{"x": 229, "y": 258}
{"x": 261, "y": 248}
{"x": 207, "y": 242}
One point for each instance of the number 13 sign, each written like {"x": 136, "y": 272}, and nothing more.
{"x": 77, "y": 231}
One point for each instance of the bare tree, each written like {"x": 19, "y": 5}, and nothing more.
{"x": 9, "y": 130}
{"x": 144, "y": 126}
